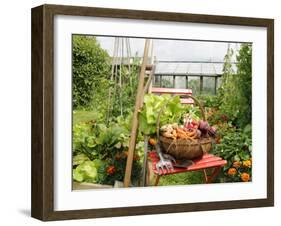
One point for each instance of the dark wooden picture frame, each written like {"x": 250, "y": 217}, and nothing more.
{"x": 42, "y": 203}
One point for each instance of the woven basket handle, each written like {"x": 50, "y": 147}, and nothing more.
{"x": 165, "y": 105}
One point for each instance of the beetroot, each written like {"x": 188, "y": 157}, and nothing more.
{"x": 212, "y": 131}
{"x": 203, "y": 126}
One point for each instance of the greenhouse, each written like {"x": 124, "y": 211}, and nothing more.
{"x": 200, "y": 76}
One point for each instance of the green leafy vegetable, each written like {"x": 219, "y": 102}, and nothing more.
{"x": 87, "y": 171}
{"x": 172, "y": 112}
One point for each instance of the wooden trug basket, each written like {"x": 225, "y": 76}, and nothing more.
{"x": 184, "y": 148}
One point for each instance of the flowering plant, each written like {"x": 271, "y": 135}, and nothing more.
{"x": 235, "y": 146}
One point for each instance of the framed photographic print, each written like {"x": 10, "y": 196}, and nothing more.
{"x": 141, "y": 112}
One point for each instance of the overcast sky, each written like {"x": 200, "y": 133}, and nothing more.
{"x": 174, "y": 49}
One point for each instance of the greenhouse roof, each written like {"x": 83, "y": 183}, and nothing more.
{"x": 190, "y": 68}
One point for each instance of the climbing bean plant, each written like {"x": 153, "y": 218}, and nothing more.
{"x": 235, "y": 93}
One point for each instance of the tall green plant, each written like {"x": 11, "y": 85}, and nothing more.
{"x": 236, "y": 89}
{"x": 244, "y": 84}
{"x": 91, "y": 70}
{"x": 123, "y": 96}
{"x": 227, "y": 91}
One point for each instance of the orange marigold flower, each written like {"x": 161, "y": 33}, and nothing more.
{"x": 236, "y": 164}
{"x": 152, "y": 141}
{"x": 110, "y": 170}
{"x": 231, "y": 171}
{"x": 245, "y": 177}
{"x": 247, "y": 163}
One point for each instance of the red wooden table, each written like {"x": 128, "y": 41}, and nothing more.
{"x": 207, "y": 161}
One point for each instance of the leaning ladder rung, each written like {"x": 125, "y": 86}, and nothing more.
{"x": 148, "y": 67}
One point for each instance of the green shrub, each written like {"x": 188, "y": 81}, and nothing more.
{"x": 91, "y": 69}
{"x": 235, "y": 146}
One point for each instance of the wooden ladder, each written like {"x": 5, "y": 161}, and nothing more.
{"x": 146, "y": 73}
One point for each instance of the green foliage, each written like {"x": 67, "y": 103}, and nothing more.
{"x": 209, "y": 101}
{"x": 86, "y": 171}
{"x": 123, "y": 91}
{"x": 244, "y": 72}
{"x": 236, "y": 89}
{"x": 91, "y": 69}
{"x": 235, "y": 145}
{"x": 97, "y": 141}
{"x": 172, "y": 112}
{"x": 103, "y": 104}
{"x": 86, "y": 116}
{"x": 118, "y": 163}
{"x": 79, "y": 159}
{"x": 106, "y": 145}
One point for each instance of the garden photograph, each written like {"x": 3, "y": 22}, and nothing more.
{"x": 160, "y": 112}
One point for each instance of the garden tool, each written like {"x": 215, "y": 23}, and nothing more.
{"x": 169, "y": 157}
{"x": 164, "y": 163}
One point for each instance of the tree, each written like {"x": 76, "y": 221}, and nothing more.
{"x": 91, "y": 69}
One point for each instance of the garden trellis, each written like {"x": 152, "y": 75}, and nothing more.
{"x": 121, "y": 58}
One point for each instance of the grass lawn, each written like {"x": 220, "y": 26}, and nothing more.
{"x": 83, "y": 116}
{"x": 195, "y": 177}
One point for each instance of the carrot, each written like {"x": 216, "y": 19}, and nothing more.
{"x": 192, "y": 133}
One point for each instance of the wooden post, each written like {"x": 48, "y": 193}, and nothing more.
{"x": 134, "y": 130}
{"x": 144, "y": 168}
{"x": 201, "y": 84}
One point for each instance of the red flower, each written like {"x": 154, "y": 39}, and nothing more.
{"x": 224, "y": 117}
{"x": 110, "y": 170}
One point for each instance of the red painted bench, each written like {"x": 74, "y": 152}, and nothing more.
{"x": 207, "y": 161}
{"x": 172, "y": 91}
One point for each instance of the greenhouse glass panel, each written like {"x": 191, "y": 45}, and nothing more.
{"x": 167, "y": 82}
{"x": 194, "y": 84}
{"x": 180, "y": 82}
{"x": 208, "y": 85}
